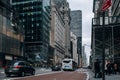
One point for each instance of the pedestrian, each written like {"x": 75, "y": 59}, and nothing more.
{"x": 115, "y": 68}
{"x": 119, "y": 68}
{"x": 109, "y": 68}
{"x": 97, "y": 68}
{"x": 106, "y": 68}
{"x": 112, "y": 68}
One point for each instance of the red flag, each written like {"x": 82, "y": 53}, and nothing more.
{"x": 106, "y": 5}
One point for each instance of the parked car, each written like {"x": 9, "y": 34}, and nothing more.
{"x": 20, "y": 68}
{"x": 56, "y": 68}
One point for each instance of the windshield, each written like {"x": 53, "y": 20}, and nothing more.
{"x": 66, "y": 61}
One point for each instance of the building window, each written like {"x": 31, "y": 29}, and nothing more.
{"x": 23, "y": 14}
{"x": 23, "y": 26}
{"x": 23, "y": 20}
{"x": 32, "y": 25}
{"x": 32, "y": 19}
{"x": 32, "y": 31}
{"x": 32, "y": 37}
{"x": 37, "y": 24}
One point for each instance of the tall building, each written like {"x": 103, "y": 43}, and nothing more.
{"x": 34, "y": 15}
{"x": 115, "y": 8}
{"x": 76, "y": 28}
{"x": 57, "y": 35}
{"x": 115, "y": 13}
{"x": 84, "y": 56}
{"x": 111, "y": 33}
{"x": 74, "y": 47}
{"x": 11, "y": 34}
{"x": 64, "y": 10}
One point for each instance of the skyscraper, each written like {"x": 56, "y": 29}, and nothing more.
{"x": 57, "y": 35}
{"x": 64, "y": 9}
{"x": 76, "y": 28}
{"x": 11, "y": 34}
{"x": 34, "y": 15}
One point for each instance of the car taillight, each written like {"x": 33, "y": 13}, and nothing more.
{"x": 18, "y": 66}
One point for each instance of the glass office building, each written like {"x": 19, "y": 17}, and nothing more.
{"x": 34, "y": 15}
{"x": 11, "y": 34}
{"x": 76, "y": 28}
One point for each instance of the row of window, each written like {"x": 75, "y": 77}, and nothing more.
{"x": 10, "y": 42}
{"x": 13, "y": 47}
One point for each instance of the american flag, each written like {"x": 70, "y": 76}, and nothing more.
{"x": 106, "y": 4}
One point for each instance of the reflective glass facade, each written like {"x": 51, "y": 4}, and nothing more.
{"x": 34, "y": 15}
{"x": 11, "y": 37}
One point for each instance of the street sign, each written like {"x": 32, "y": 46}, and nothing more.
{"x": 106, "y": 5}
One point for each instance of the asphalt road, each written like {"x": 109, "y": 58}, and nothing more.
{"x": 63, "y": 75}
{"x": 38, "y": 71}
{"x": 47, "y": 74}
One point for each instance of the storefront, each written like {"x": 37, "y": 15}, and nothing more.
{"x": 5, "y": 58}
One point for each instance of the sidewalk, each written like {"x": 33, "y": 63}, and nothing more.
{"x": 107, "y": 77}
{"x": 1, "y": 70}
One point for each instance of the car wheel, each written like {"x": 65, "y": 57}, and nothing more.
{"x": 33, "y": 73}
{"x": 7, "y": 75}
{"x": 22, "y": 74}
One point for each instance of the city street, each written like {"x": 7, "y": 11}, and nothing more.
{"x": 58, "y": 76}
{"x": 38, "y": 71}
{"x": 59, "y": 40}
{"x": 47, "y": 74}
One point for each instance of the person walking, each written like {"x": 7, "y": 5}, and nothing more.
{"x": 109, "y": 68}
{"x": 106, "y": 68}
{"x": 97, "y": 68}
{"x": 115, "y": 68}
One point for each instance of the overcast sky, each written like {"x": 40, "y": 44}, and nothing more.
{"x": 86, "y": 7}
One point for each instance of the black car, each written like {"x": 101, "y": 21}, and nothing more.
{"x": 56, "y": 68}
{"x": 20, "y": 68}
